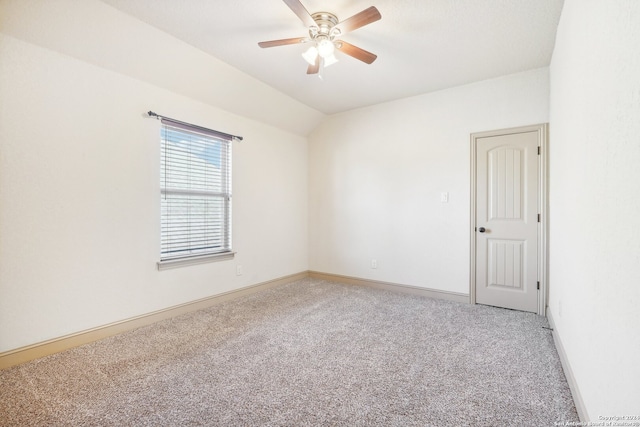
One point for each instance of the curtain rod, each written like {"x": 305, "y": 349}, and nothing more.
{"x": 196, "y": 127}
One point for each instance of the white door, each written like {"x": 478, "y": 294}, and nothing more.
{"x": 507, "y": 217}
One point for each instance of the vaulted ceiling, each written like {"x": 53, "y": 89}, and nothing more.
{"x": 422, "y": 45}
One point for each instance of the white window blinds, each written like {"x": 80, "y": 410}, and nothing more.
{"x": 195, "y": 184}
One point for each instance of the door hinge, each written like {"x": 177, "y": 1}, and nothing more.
{"x": 538, "y": 285}
{"x": 538, "y": 217}
{"x": 538, "y": 150}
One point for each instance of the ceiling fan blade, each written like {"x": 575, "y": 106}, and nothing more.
{"x": 282, "y": 42}
{"x": 356, "y": 52}
{"x": 313, "y": 69}
{"x": 358, "y": 20}
{"x": 302, "y": 13}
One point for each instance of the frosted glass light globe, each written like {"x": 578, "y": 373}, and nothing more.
{"x": 325, "y": 48}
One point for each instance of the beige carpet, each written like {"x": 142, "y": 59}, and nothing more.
{"x": 310, "y": 353}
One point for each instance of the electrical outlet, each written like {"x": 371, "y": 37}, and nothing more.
{"x": 444, "y": 197}
{"x": 238, "y": 270}
{"x": 374, "y": 263}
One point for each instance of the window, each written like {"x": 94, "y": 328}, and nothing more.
{"x": 195, "y": 187}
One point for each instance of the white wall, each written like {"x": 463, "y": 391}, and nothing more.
{"x": 376, "y": 174}
{"x": 79, "y": 197}
{"x": 595, "y": 201}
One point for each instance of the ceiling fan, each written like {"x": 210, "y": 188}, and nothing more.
{"x": 324, "y": 33}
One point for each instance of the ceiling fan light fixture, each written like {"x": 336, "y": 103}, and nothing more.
{"x": 329, "y": 60}
{"x": 310, "y": 55}
{"x": 326, "y": 48}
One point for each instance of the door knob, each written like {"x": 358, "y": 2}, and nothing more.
{"x": 482, "y": 229}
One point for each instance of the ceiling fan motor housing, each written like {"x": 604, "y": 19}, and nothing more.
{"x": 325, "y": 22}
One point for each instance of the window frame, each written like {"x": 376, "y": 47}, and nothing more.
{"x": 196, "y": 137}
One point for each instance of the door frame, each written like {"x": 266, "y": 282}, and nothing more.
{"x": 543, "y": 208}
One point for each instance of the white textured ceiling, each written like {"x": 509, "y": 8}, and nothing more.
{"x": 422, "y": 45}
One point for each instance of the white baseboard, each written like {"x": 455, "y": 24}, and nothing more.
{"x": 407, "y": 289}
{"x": 56, "y": 345}
{"x": 568, "y": 372}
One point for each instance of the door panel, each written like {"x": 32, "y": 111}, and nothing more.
{"x": 507, "y": 211}
{"x": 505, "y": 175}
{"x": 504, "y": 263}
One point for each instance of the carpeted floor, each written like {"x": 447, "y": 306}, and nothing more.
{"x": 310, "y": 353}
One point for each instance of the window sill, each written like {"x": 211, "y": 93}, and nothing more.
{"x": 183, "y": 262}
